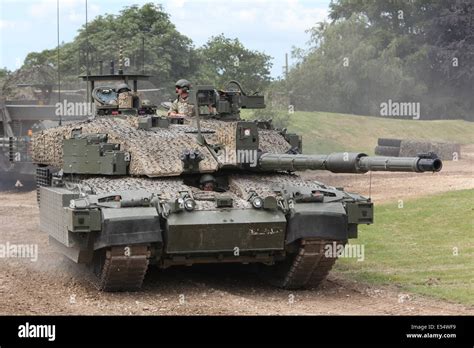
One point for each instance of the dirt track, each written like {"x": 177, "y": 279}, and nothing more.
{"x": 54, "y": 285}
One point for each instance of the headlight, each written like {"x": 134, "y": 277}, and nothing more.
{"x": 189, "y": 204}
{"x": 257, "y": 202}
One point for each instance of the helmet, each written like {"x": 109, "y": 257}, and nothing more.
{"x": 206, "y": 178}
{"x": 123, "y": 87}
{"x": 185, "y": 84}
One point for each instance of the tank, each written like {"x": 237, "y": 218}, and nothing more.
{"x": 130, "y": 188}
{"x": 28, "y": 109}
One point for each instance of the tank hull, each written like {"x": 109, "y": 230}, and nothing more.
{"x": 235, "y": 233}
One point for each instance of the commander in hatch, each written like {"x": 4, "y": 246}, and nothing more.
{"x": 181, "y": 107}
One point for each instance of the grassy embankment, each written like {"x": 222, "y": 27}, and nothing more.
{"x": 325, "y": 132}
{"x": 426, "y": 247}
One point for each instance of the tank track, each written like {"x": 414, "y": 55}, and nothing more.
{"x": 308, "y": 267}
{"x": 122, "y": 268}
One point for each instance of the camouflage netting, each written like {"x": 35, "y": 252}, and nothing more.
{"x": 264, "y": 186}
{"x": 37, "y": 75}
{"x": 445, "y": 151}
{"x": 272, "y": 142}
{"x": 167, "y": 188}
{"x": 226, "y": 133}
{"x": 153, "y": 153}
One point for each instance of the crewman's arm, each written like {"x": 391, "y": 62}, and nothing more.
{"x": 173, "y": 111}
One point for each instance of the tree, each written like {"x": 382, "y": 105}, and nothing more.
{"x": 413, "y": 50}
{"x": 344, "y": 72}
{"x": 166, "y": 54}
{"x": 4, "y": 72}
{"x": 222, "y": 59}
{"x": 151, "y": 43}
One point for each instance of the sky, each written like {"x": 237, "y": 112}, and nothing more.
{"x": 270, "y": 26}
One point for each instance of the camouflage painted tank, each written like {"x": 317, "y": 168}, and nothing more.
{"x": 129, "y": 188}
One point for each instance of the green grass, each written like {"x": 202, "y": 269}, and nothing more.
{"x": 328, "y": 132}
{"x": 414, "y": 247}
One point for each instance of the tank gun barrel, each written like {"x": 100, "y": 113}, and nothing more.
{"x": 400, "y": 164}
{"x": 346, "y": 162}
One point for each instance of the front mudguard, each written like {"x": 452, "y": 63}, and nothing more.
{"x": 319, "y": 220}
{"x": 127, "y": 226}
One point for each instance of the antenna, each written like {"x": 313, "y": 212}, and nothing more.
{"x": 200, "y": 139}
{"x": 59, "y": 73}
{"x": 87, "y": 60}
{"x": 120, "y": 60}
{"x": 370, "y": 185}
{"x": 143, "y": 53}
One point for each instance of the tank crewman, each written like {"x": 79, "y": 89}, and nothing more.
{"x": 180, "y": 106}
{"x": 124, "y": 95}
{"x": 207, "y": 183}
